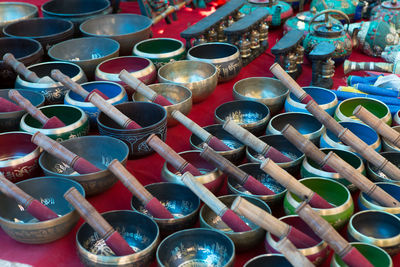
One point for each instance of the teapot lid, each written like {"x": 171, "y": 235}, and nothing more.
{"x": 392, "y": 4}
{"x": 328, "y": 29}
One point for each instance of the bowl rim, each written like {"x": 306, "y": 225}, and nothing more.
{"x": 214, "y": 60}
{"x": 34, "y": 8}
{"x": 35, "y": 153}
{"x": 374, "y": 206}
{"x": 177, "y": 52}
{"x": 14, "y": 113}
{"x": 325, "y": 106}
{"x": 73, "y": 15}
{"x": 246, "y": 264}
{"x": 259, "y": 78}
{"x": 37, "y": 51}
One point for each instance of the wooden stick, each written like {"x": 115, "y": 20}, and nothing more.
{"x": 137, "y": 85}
{"x": 191, "y": 126}
{"x": 70, "y": 84}
{"x": 292, "y": 254}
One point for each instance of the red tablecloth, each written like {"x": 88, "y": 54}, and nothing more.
{"x": 63, "y": 252}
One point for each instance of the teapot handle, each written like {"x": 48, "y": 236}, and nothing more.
{"x": 328, "y": 11}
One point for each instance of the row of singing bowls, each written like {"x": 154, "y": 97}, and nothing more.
{"x": 379, "y": 176}
{"x": 11, "y": 12}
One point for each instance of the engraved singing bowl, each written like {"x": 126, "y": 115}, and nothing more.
{"x": 196, "y": 247}
{"x": 305, "y": 123}
{"x": 235, "y": 155}
{"x": 126, "y": 29}
{"x": 11, "y": 12}
{"x": 268, "y": 260}
{"x": 251, "y": 115}
{"x": 333, "y": 192}
{"x": 75, "y": 119}
{"x": 139, "y": 231}
{"x": 379, "y": 176}
{"x": 152, "y": 117}
{"x": 53, "y": 92}
{"x": 86, "y": 52}
{"x": 325, "y": 98}
{"x": 225, "y": 57}
{"x": 378, "y": 228}
{"x": 178, "y": 95}
{"x": 183, "y": 204}
{"x": 269, "y": 91}
{"x": 316, "y": 254}
{"x": 9, "y": 121}
{"x": 18, "y": 156}
{"x": 200, "y": 77}
{"x": 23, "y": 227}
{"x": 211, "y": 177}
{"x": 344, "y": 111}
{"x": 243, "y": 241}
{"x": 98, "y": 150}
{"x": 388, "y": 146}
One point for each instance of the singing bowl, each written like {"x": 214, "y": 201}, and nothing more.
{"x": 225, "y": 57}
{"x": 139, "y": 67}
{"x": 235, "y": 155}
{"x": 18, "y": 156}
{"x": 178, "y": 95}
{"x": 378, "y": 228}
{"x": 316, "y": 254}
{"x": 243, "y": 241}
{"x": 396, "y": 118}
{"x": 211, "y": 177}
{"x": 126, "y": 29}
{"x": 152, "y": 117}
{"x": 11, "y": 12}
{"x": 333, "y": 192}
{"x": 9, "y": 121}
{"x": 268, "y": 260}
{"x": 344, "y": 111}
{"x": 23, "y": 227}
{"x": 379, "y": 176}
{"x": 53, "y": 92}
{"x": 140, "y": 231}
{"x": 251, "y": 115}
{"x": 269, "y": 91}
{"x": 196, "y": 247}
{"x": 86, "y": 52}
{"x": 25, "y": 50}
{"x": 183, "y": 204}
{"x": 200, "y": 77}
{"x": 388, "y": 146}
{"x": 325, "y": 98}
{"x": 305, "y": 123}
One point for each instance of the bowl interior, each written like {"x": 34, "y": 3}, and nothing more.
{"x": 376, "y": 224}
{"x": 302, "y": 122}
{"x": 173, "y": 92}
{"x": 187, "y": 71}
{"x": 376, "y": 256}
{"x": 196, "y": 160}
{"x": 393, "y": 157}
{"x": 19, "y": 47}
{"x": 217, "y": 131}
{"x": 268, "y": 260}
{"x": 38, "y": 27}
{"x": 364, "y": 132}
{"x": 44, "y": 69}
{"x": 67, "y": 114}
{"x": 159, "y": 46}
{"x": 321, "y": 95}
{"x": 213, "y": 51}
{"x": 35, "y": 98}
{"x": 242, "y": 111}
{"x": 111, "y": 90}
{"x": 375, "y": 107}
{"x": 260, "y": 87}
{"x": 15, "y": 145}
{"x": 347, "y": 156}
{"x": 74, "y": 7}
{"x": 391, "y": 189}
{"x": 130, "y": 64}
{"x": 13, "y": 11}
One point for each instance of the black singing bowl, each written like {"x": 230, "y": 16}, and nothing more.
{"x": 268, "y": 260}
{"x": 379, "y": 176}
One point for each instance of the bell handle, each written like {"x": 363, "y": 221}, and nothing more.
{"x": 328, "y": 11}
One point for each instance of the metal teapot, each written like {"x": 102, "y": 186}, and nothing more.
{"x": 388, "y": 11}
{"x": 348, "y": 7}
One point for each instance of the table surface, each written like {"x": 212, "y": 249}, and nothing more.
{"x": 63, "y": 252}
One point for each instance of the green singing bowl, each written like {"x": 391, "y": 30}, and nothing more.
{"x": 344, "y": 111}
{"x": 243, "y": 241}
{"x": 379, "y": 176}
{"x": 333, "y": 192}
{"x": 75, "y": 119}
{"x": 387, "y": 146}
{"x": 311, "y": 169}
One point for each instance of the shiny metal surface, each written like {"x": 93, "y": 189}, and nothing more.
{"x": 15, "y": 11}
{"x": 379, "y": 176}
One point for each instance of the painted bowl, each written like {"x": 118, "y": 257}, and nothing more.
{"x": 224, "y": 56}
{"x": 178, "y": 95}
{"x": 387, "y": 146}
{"x": 211, "y": 177}
{"x": 305, "y": 123}
{"x": 53, "y": 92}
{"x": 152, "y": 117}
{"x": 98, "y": 150}
{"x": 142, "y": 235}
{"x": 333, "y": 192}
{"x": 251, "y": 115}
{"x": 160, "y": 50}
{"x": 9, "y": 121}
{"x": 196, "y": 247}
{"x": 378, "y": 228}
{"x": 11, "y": 12}
{"x": 23, "y": 227}
{"x": 243, "y": 241}
{"x": 235, "y": 155}
{"x": 178, "y": 199}
{"x": 18, "y": 156}
{"x": 325, "y": 98}
{"x": 269, "y": 91}
{"x": 268, "y": 260}
{"x": 200, "y": 77}
{"x": 75, "y": 119}
{"x": 379, "y": 176}
{"x": 396, "y": 118}
{"x": 126, "y": 29}
{"x": 86, "y": 52}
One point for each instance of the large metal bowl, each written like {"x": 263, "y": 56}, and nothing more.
{"x": 379, "y": 176}
{"x": 11, "y": 12}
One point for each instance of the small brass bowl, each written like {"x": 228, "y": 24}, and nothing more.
{"x": 179, "y": 200}
{"x": 199, "y": 77}
{"x": 196, "y": 247}
{"x": 387, "y": 146}
{"x": 268, "y": 260}
{"x": 98, "y": 150}
{"x": 251, "y": 115}
{"x": 269, "y": 91}
{"x": 378, "y": 228}
{"x": 23, "y": 227}
{"x": 178, "y": 95}
{"x": 11, "y": 12}
{"x": 212, "y": 178}
{"x": 140, "y": 231}
{"x": 235, "y": 155}
{"x": 379, "y": 176}
{"x": 243, "y": 241}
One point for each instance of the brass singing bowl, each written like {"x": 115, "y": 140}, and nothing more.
{"x": 388, "y": 146}
{"x": 268, "y": 260}
{"x": 199, "y": 77}
{"x": 140, "y": 231}
{"x": 379, "y": 176}
{"x": 49, "y": 190}
{"x": 11, "y": 12}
